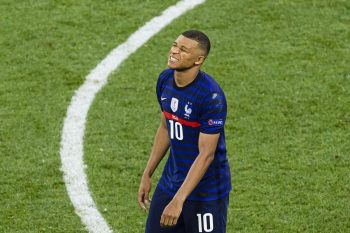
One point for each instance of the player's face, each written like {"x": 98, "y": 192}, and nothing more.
{"x": 185, "y": 54}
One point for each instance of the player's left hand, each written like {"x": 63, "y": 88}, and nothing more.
{"x": 171, "y": 213}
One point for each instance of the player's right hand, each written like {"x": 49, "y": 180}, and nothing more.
{"x": 144, "y": 190}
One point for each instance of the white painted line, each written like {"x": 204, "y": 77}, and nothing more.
{"x": 74, "y": 123}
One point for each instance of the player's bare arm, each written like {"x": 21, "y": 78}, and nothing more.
{"x": 207, "y": 145}
{"x": 160, "y": 146}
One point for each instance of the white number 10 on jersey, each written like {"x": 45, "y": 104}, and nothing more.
{"x": 176, "y": 130}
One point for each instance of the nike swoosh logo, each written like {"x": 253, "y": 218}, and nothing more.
{"x": 163, "y": 98}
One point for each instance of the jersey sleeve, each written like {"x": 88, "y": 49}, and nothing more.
{"x": 159, "y": 92}
{"x": 213, "y": 113}
{"x": 159, "y": 87}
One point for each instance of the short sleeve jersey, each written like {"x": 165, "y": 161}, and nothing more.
{"x": 199, "y": 107}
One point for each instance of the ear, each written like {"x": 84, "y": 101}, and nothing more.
{"x": 200, "y": 60}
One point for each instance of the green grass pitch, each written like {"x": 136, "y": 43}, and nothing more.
{"x": 285, "y": 69}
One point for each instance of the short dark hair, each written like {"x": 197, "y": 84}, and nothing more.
{"x": 200, "y": 37}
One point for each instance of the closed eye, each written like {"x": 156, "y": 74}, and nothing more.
{"x": 184, "y": 49}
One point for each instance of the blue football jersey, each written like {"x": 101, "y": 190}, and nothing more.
{"x": 199, "y": 107}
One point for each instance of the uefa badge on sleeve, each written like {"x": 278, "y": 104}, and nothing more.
{"x": 218, "y": 122}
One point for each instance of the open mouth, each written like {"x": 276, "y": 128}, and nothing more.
{"x": 173, "y": 59}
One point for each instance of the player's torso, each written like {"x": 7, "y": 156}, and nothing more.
{"x": 181, "y": 107}
{"x": 185, "y": 110}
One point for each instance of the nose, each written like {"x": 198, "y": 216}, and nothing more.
{"x": 174, "y": 49}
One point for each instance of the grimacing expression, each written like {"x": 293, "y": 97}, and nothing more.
{"x": 185, "y": 53}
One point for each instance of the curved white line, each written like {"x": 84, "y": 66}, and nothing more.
{"x": 74, "y": 123}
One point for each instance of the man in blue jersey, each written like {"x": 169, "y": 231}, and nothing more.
{"x": 193, "y": 193}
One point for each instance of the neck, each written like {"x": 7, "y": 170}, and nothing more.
{"x": 185, "y": 77}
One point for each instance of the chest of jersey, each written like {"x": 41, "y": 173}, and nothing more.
{"x": 182, "y": 114}
{"x": 182, "y": 106}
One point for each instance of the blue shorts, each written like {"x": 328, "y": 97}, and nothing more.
{"x": 196, "y": 216}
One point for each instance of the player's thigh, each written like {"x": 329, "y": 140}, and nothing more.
{"x": 209, "y": 216}
{"x": 159, "y": 201}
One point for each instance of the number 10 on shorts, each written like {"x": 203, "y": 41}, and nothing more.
{"x": 205, "y": 222}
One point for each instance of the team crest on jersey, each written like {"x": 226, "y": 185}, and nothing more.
{"x": 188, "y": 110}
{"x": 174, "y": 104}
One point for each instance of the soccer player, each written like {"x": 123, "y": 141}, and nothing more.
{"x": 193, "y": 192}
